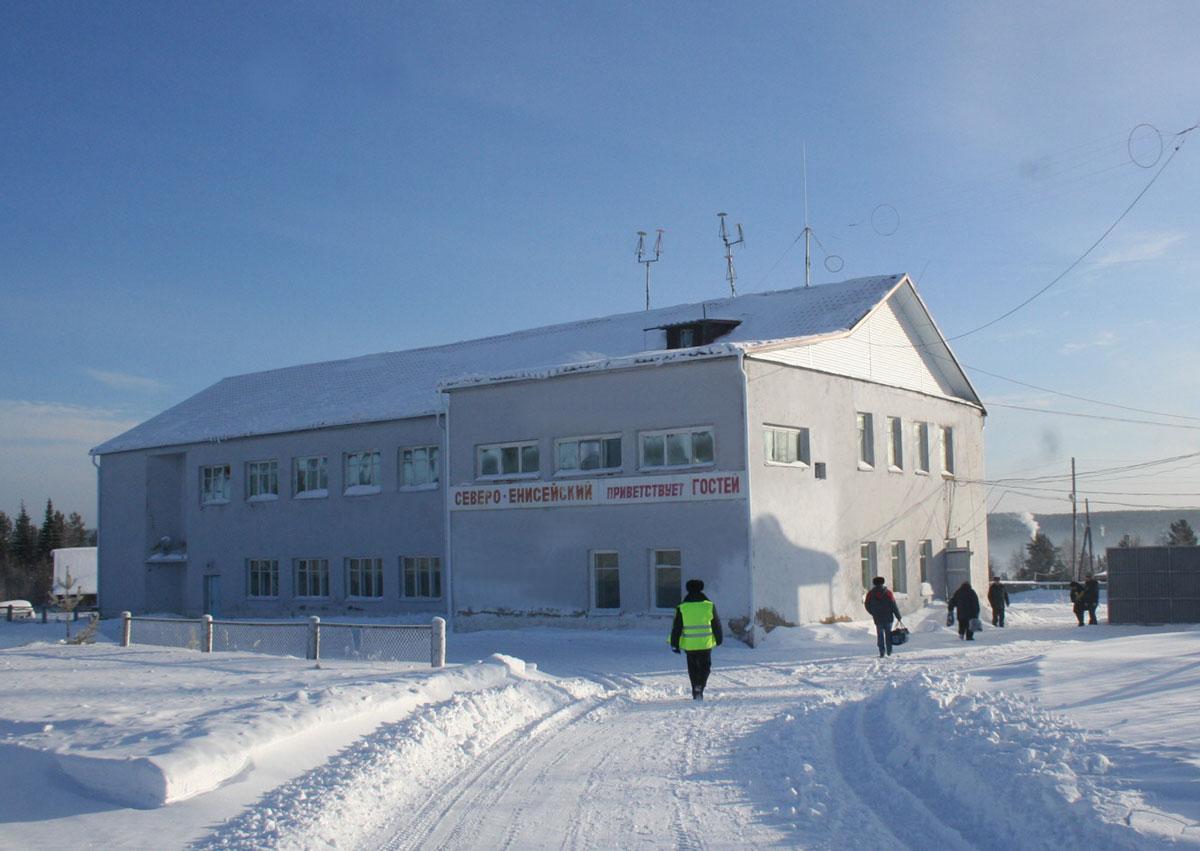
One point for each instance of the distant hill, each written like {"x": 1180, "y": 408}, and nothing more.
{"x": 1008, "y": 532}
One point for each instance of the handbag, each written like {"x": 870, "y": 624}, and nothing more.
{"x": 900, "y": 635}
{"x": 949, "y": 618}
{"x": 976, "y": 625}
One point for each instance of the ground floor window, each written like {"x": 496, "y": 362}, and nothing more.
{"x": 364, "y": 577}
{"x": 312, "y": 577}
{"x": 262, "y": 578}
{"x": 925, "y": 558}
{"x": 868, "y": 559}
{"x": 899, "y": 568}
{"x": 422, "y": 577}
{"x": 668, "y": 578}
{"x": 606, "y": 581}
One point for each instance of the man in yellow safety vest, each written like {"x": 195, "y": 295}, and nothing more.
{"x": 696, "y": 631}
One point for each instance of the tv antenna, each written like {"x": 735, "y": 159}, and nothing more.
{"x": 646, "y": 260}
{"x": 833, "y": 262}
{"x": 730, "y": 272}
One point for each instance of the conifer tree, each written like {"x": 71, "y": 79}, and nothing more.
{"x": 50, "y": 536}
{"x": 1181, "y": 534}
{"x": 1043, "y": 560}
{"x": 24, "y": 540}
{"x": 76, "y": 533}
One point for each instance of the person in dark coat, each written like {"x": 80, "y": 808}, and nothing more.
{"x": 696, "y": 630}
{"x": 1089, "y": 599}
{"x": 1077, "y": 601}
{"x": 998, "y": 600}
{"x": 965, "y": 605}
{"x": 882, "y": 605}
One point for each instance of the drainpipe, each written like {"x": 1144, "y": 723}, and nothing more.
{"x": 749, "y": 492}
{"x": 447, "y": 570}
{"x": 99, "y": 496}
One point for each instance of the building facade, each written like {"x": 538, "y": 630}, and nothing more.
{"x": 783, "y": 447}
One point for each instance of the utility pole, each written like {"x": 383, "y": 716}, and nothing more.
{"x": 1087, "y": 537}
{"x": 1074, "y": 521}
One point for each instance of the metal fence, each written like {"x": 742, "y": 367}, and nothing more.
{"x": 1154, "y": 585}
{"x": 308, "y": 640}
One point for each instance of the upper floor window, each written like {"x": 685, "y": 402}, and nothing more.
{"x": 418, "y": 466}
{"x": 262, "y": 577}
{"x": 508, "y": 459}
{"x": 947, "y": 451}
{"x": 364, "y": 577}
{"x": 866, "y": 441}
{"x": 677, "y": 448}
{"x": 582, "y": 454}
{"x": 895, "y": 443}
{"x": 921, "y": 439}
{"x": 786, "y": 446}
{"x": 311, "y": 476}
{"x": 214, "y": 484}
{"x": 362, "y": 472}
{"x": 262, "y": 480}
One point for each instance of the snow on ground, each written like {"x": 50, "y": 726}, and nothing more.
{"x": 1041, "y": 735}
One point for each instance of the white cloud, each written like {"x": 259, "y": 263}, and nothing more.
{"x": 24, "y": 422}
{"x": 1140, "y": 247}
{"x": 125, "y": 381}
{"x": 1103, "y": 340}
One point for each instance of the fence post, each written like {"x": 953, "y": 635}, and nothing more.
{"x": 207, "y": 645}
{"x": 126, "y": 627}
{"x": 10, "y": 612}
{"x": 314, "y": 638}
{"x": 44, "y": 613}
{"x": 438, "y": 650}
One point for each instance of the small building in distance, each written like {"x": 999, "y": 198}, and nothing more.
{"x": 784, "y": 447}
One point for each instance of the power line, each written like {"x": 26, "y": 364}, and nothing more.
{"x": 1093, "y": 416}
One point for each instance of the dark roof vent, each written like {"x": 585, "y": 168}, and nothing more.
{"x": 699, "y": 332}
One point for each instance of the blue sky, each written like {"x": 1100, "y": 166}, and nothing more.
{"x": 191, "y": 191}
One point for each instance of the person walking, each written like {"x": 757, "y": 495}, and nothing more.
{"x": 696, "y": 631}
{"x": 965, "y": 605}
{"x": 1077, "y": 601}
{"x": 881, "y": 603}
{"x": 1089, "y": 598}
{"x": 998, "y": 600}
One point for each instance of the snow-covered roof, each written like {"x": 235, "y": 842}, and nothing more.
{"x": 399, "y": 385}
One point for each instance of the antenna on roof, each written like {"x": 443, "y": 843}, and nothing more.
{"x": 645, "y": 260}
{"x": 730, "y": 272}
{"x": 833, "y": 262}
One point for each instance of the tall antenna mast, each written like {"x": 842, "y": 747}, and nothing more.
{"x": 645, "y": 260}
{"x": 730, "y": 272}
{"x": 807, "y": 229}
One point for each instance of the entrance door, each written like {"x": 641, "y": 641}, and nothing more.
{"x": 212, "y": 596}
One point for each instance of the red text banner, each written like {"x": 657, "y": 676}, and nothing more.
{"x": 685, "y": 487}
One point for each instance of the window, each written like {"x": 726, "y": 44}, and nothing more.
{"x": 312, "y": 577}
{"x": 786, "y": 446}
{"x": 947, "y": 451}
{"x": 262, "y": 480}
{"x": 214, "y": 484}
{"x": 668, "y": 578}
{"x": 680, "y": 448}
{"x": 699, "y": 332}
{"x": 508, "y": 459}
{"x": 364, "y": 577}
{"x": 866, "y": 441}
{"x": 419, "y": 466}
{"x": 895, "y": 443}
{"x": 921, "y": 439}
{"x": 899, "y": 568}
{"x": 924, "y": 558}
{"x": 606, "y": 581}
{"x": 588, "y": 453}
{"x": 422, "y": 577}
{"x": 362, "y": 472}
{"x": 312, "y": 477}
{"x": 262, "y": 578}
{"x": 867, "y": 559}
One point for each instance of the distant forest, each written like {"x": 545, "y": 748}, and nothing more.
{"x": 26, "y": 566}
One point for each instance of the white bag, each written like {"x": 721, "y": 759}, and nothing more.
{"x": 975, "y": 625}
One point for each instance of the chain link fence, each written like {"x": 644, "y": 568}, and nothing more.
{"x": 307, "y": 640}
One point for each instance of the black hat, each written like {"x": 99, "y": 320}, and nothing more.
{"x": 878, "y": 580}
{"x": 694, "y": 585}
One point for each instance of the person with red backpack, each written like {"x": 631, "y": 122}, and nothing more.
{"x": 882, "y": 606}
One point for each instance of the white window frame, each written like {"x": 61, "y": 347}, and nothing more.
{"x": 520, "y": 446}
{"x": 868, "y": 562}
{"x": 654, "y": 568}
{"x": 210, "y": 476}
{"x": 433, "y": 460}
{"x": 899, "y": 558}
{"x": 924, "y": 559}
{"x": 666, "y": 434}
{"x": 322, "y": 474}
{"x": 322, "y": 574}
{"x": 593, "y": 569}
{"x": 369, "y": 573}
{"x": 602, "y": 439}
{"x": 257, "y": 566}
{"x": 921, "y": 448}
{"x": 353, "y": 487}
{"x": 866, "y": 440}
{"x": 801, "y": 445}
{"x": 895, "y": 433}
{"x": 430, "y": 566}
{"x": 255, "y": 476}
{"x": 947, "y": 444}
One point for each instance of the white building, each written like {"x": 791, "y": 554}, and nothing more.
{"x": 784, "y": 447}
